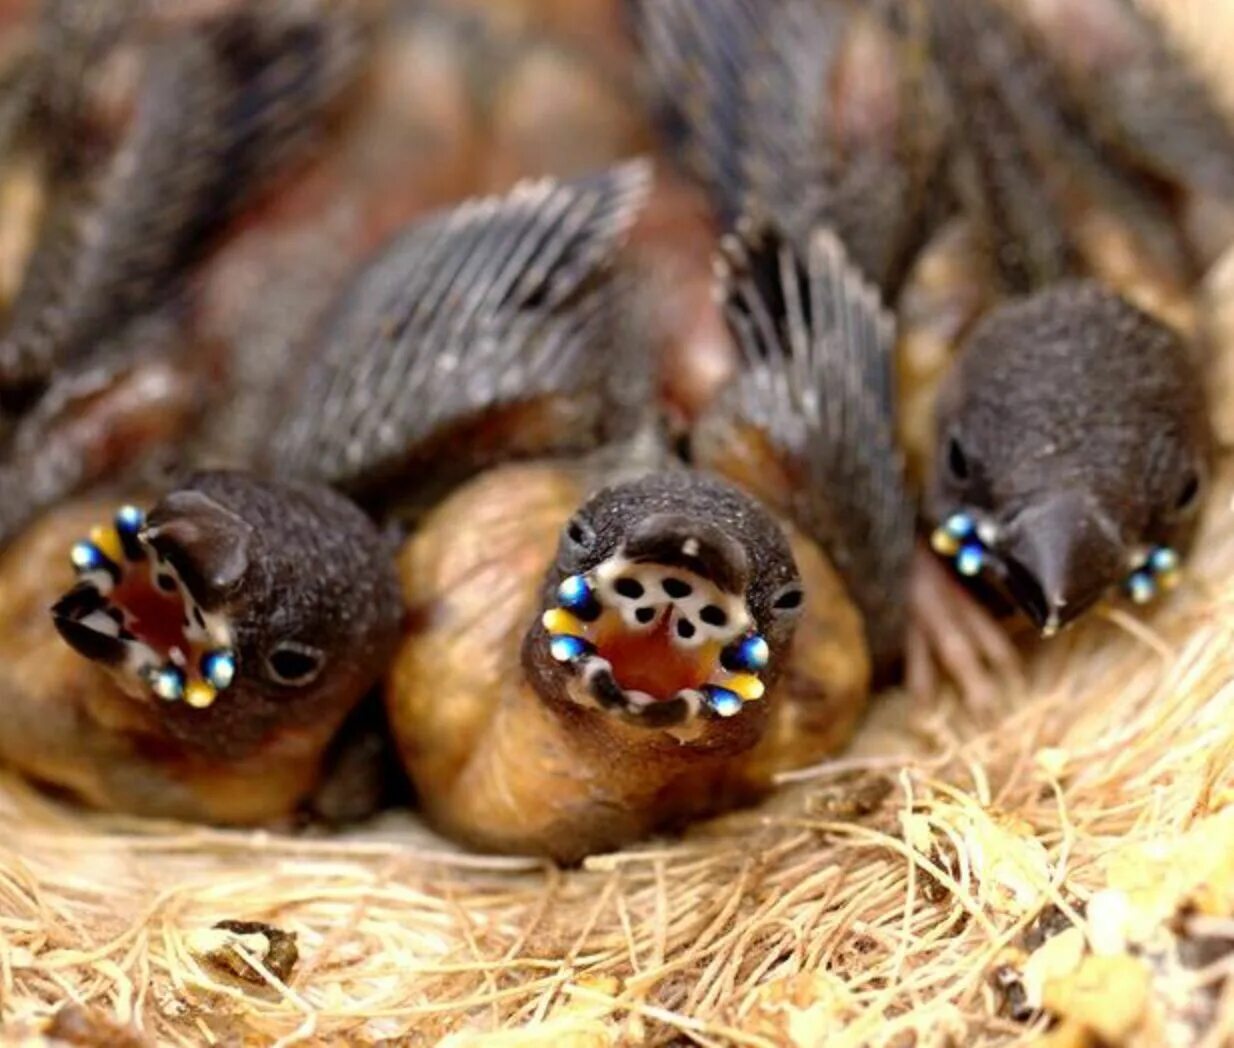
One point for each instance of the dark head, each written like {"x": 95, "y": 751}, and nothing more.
{"x": 671, "y": 605}
{"x": 1073, "y": 453}
{"x": 237, "y": 607}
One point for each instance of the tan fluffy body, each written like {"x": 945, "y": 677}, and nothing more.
{"x": 498, "y": 767}
{"x": 66, "y": 723}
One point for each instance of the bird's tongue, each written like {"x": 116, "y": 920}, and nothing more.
{"x": 648, "y": 661}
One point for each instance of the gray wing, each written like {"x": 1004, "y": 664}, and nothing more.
{"x": 1159, "y": 114}
{"x": 790, "y": 163}
{"x": 1027, "y": 141}
{"x": 490, "y": 331}
{"x": 808, "y": 422}
{"x": 136, "y": 398}
{"x": 699, "y": 56}
{"x": 221, "y": 106}
{"x": 755, "y": 95}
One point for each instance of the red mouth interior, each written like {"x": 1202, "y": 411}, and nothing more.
{"x": 154, "y": 615}
{"x": 650, "y": 662}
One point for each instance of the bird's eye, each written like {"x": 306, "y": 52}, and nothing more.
{"x": 789, "y": 599}
{"x": 957, "y": 461}
{"x": 580, "y": 535}
{"x": 294, "y": 664}
{"x": 1188, "y": 493}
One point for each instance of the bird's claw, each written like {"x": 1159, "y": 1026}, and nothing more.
{"x": 953, "y": 638}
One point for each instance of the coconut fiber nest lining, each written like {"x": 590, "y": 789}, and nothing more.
{"x": 1062, "y": 867}
{"x": 896, "y": 894}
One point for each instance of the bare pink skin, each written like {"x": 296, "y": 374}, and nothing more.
{"x": 952, "y": 637}
{"x": 675, "y": 240}
{"x": 865, "y": 90}
{"x": 1089, "y": 35}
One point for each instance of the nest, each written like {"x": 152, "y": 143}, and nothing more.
{"x": 1065, "y": 863}
{"x": 1060, "y": 868}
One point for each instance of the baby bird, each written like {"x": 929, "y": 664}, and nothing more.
{"x": 1072, "y": 437}
{"x": 823, "y": 108}
{"x": 604, "y": 638}
{"x": 207, "y": 652}
{"x": 1073, "y": 453}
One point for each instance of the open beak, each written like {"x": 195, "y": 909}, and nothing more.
{"x": 660, "y": 632}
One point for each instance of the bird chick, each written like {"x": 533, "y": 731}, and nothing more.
{"x": 601, "y": 636}
{"x": 207, "y": 652}
{"x": 1073, "y": 453}
{"x": 1059, "y": 185}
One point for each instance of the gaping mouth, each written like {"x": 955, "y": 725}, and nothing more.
{"x": 656, "y": 643}
{"x": 131, "y": 612}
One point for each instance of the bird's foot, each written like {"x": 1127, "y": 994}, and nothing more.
{"x": 953, "y": 637}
